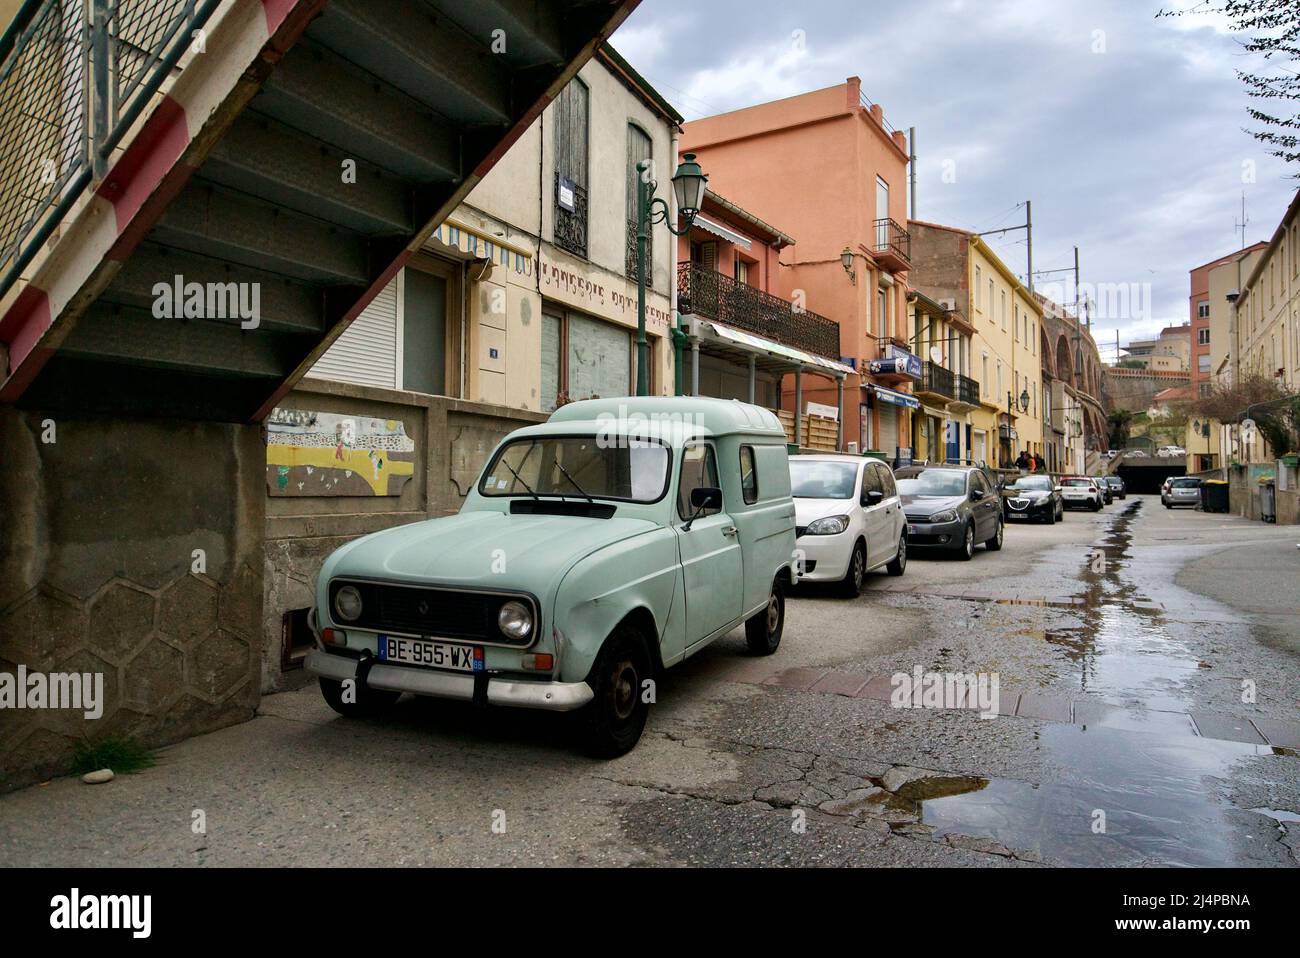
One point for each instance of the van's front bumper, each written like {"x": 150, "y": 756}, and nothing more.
{"x": 552, "y": 696}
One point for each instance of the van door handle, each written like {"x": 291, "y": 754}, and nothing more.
{"x": 729, "y": 530}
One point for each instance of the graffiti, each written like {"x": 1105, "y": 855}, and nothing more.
{"x": 327, "y": 454}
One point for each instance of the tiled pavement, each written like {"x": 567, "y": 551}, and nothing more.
{"x": 1050, "y": 708}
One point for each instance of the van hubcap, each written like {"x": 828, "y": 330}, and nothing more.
{"x": 773, "y": 614}
{"x": 623, "y": 689}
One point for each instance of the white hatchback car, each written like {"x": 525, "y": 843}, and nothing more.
{"x": 1081, "y": 491}
{"x": 848, "y": 519}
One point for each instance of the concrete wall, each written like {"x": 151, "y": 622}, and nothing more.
{"x": 98, "y": 532}
{"x": 453, "y": 438}
{"x": 1243, "y": 493}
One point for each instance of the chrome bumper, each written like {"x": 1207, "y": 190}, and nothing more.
{"x": 553, "y": 696}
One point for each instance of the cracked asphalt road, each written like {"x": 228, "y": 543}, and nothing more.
{"x": 1123, "y": 642}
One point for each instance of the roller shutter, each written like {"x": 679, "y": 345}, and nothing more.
{"x": 366, "y": 353}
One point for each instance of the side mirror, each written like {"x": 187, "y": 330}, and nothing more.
{"x": 977, "y": 494}
{"x": 706, "y": 497}
{"x": 873, "y": 497}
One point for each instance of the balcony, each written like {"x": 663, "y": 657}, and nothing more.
{"x": 936, "y": 383}
{"x": 893, "y": 246}
{"x": 571, "y": 226}
{"x": 708, "y": 293}
{"x": 968, "y": 391}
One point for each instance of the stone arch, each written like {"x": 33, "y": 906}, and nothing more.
{"x": 1064, "y": 362}
{"x": 1045, "y": 352}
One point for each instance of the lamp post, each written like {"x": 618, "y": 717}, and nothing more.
{"x": 689, "y": 183}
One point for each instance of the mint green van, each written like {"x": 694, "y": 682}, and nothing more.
{"x": 596, "y": 549}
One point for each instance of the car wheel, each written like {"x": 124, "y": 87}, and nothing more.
{"x": 994, "y": 544}
{"x": 365, "y": 702}
{"x": 851, "y": 584}
{"x": 1168, "y": 505}
{"x": 763, "y": 629}
{"x": 967, "y": 548}
{"x": 1095, "y": 505}
{"x": 1051, "y": 516}
{"x": 899, "y": 563}
{"x": 614, "y": 719}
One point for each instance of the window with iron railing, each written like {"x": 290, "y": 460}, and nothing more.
{"x": 638, "y": 150}
{"x": 572, "y": 108}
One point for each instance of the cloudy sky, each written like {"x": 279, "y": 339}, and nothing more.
{"x": 1125, "y": 131}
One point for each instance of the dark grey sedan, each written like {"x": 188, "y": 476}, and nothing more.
{"x": 951, "y": 509}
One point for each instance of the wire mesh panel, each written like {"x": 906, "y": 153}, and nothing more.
{"x": 42, "y": 118}
{"x": 141, "y": 32}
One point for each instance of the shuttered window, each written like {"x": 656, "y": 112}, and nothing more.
{"x": 551, "y": 364}
{"x": 366, "y": 352}
{"x": 638, "y": 149}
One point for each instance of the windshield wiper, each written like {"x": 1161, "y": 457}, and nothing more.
{"x": 581, "y": 491}
{"x": 520, "y": 479}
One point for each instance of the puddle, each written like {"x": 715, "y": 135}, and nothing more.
{"x": 1152, "y": 795}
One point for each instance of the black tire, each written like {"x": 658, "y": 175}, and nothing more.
{"x": 763, "y": 629}
{"x": 367, "y": 702}
{"x": 966, "y": 551}
{"x": 1168, "y": 505}
{"x": 1051, "y": 516}
{"x": 1095, "y": 506}
{"x": 994, "y": 544}
{"x": 898, "y": 564}
{"x": 612, "y": 722}
{"x": 851, "y": 584}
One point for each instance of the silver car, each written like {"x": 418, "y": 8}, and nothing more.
{"x": 1183, "y": 491}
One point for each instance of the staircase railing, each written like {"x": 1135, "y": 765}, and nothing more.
{"x": 75, "y": 75}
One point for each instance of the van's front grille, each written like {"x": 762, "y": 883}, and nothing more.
{"x": 418, "y": 610}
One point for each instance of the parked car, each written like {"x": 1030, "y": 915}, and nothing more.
{"x": 848, "y": 520}
{"x": 1171, "y": 452}
{"x": 1081, "y": 491}
{"x": 1183, "y": 491}
{"x": 618, "y": 537}
{"x": 1107, "y": 494}
{"x": 1164, "y": 486}
{"x": 1033, "y": 498}
{"x": 1117, "y": 488}
{"x": 952, "y": 508}
{"x": 1137, "y": 454}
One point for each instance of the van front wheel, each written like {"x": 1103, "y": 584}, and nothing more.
{"x": 616, "y": 716}
{"x": 763, "y": 629}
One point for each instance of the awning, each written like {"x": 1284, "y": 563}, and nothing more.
{"x": 717, "y": 229}
{"x": 788, "y": 354}
{"x": 897, "y": 399}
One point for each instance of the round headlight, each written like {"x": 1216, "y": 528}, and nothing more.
{"x": 347, "y": 603}
{"x": 515, "y": 620}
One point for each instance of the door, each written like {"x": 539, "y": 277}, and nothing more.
{"x": 894, "y": 520}
{"x": 710, "y": 550}
{"x": 953, "y": 441}
{"x": 880, "y": 547}
{"x": 986, "y": 510}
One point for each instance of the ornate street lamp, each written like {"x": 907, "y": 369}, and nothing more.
{"x": 689, "y": 183}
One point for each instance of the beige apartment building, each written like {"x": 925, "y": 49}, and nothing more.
{"x": 961, "y": 272}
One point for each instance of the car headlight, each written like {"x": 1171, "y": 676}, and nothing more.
{"x": 829, "y": 526}
{"x": 946, "y": 516}
{"x": 347, "y": 603}
{"x": 515, "y": 620}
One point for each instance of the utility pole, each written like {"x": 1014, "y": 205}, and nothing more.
{"x": 1242, "y": 224}
{"x": 1029, "y": 238}
{"x": 911, "y": 164}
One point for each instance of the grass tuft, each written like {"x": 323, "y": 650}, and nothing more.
{"x": 123, "y": 756}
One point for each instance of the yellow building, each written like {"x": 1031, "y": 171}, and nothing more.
{"x": 958, "y": 270}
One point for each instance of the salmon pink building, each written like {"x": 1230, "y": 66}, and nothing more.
{"x": 829, "y": 168}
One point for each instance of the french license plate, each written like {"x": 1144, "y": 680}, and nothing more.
{"x": 437, "y": 655}
{"x": 911, "y": 529}
{"x": 1019, "y": 515}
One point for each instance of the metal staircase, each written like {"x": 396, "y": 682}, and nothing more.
{"x": 300, "y": 156}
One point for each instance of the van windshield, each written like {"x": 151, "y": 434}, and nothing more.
{"x": 817, "y": 479}
{"x": 577, "y": 467}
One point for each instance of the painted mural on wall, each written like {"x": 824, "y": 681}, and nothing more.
{"x": 327, "y": 454}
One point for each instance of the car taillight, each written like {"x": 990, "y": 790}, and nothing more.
{"x": 1092, "y": 488}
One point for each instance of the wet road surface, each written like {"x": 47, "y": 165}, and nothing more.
{"x": 1148, "y": 672}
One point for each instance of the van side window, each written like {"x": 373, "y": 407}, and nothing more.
{"x": 887, "y": 481}
{"x": 748, "y": 475}
{"x": 699, "y": 470}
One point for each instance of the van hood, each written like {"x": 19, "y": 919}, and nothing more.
{"x": 481, "y": 548}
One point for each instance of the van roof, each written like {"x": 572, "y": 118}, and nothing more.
{"x": 667, "y": 416}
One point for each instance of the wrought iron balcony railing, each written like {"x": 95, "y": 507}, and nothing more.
{"x": 75, "y": 75}
{"x": 935, "y": 379}
{"x": 630, "y": 270}
{"x": 893, "y": 240}
{"x": 968, "y": 391}
{"x": 571, "y": 225}
{"x": 706, "y": 292}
